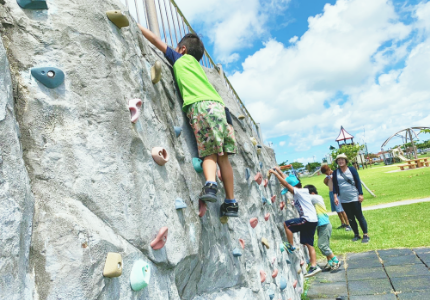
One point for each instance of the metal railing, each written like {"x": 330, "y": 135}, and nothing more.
{"x": 164, "y": 18}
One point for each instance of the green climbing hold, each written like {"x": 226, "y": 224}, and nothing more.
{"x": 140, "y": 275}
{"x": 118, "y": 18}
{"x": 49, "y": 76}
{"x": 197, "y": 164}
{"x": 32, "y": 4}
{"x": 281, "y": 246}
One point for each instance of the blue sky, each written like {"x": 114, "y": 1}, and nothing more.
{"x": 312, "y": 66}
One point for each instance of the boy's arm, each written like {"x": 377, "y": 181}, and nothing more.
{"x": 278, "y": 169}
{"x": 326, "y": 181}
{"x": 153, "y": 39}
{"x": 282, "y": 181}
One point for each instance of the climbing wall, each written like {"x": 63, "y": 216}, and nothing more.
{"x": 77, "y": 178}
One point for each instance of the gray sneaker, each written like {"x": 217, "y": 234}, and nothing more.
{"x": 356, "y": 238}
{"x": 365, "y": 239}
{"x": 335, "y": 266}
{"x": 313, "y": 271}
{"x": 348, "y": 228}
{"x": 327, "y": 267}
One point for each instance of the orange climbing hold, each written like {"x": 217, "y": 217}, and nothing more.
{"x": 275, "y": 273}
{"x": 242, "y": 243}
{"x": 202, "y": 208}
{"x": 295, "y": 283}
{"x": 267, "y": 216}
{"x": 282, "y": 205}
{"x": 266, "y": 182}
{"x": 160, "y": 155}
{"x": 253, "y": 222}
{"x": 262, "y": 276}
{"x": 161, "y": 239}
{"x": 258, "y": 178}
{"x": 273, "y": 199}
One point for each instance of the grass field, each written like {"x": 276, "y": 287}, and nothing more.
{"x": 388, "y": 187}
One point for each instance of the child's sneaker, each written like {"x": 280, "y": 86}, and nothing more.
{"x": 208, "y": 193}
{"x": 289, "y": 247}
{"x": 348, "y": 228}
{"x": 313, "y": 271}
{"x": 335, "y": 265}
{"x": 230, "y": 209}
{"x": 327, "y": 267}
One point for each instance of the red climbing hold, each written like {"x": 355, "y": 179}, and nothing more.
{"x": 202, "y": 208}
{"x": 253, "y": 222}
{"x": 267, "y": 216}
{"x": 302, "y": 262}
{"x": 275, "y": 273}
{"x": 242, "y": 243}
{"x": 295, "y": 283}
{"x": 273, "y": 199}
{"x": 262, "y": 276}
{"x": 219, "y": 174}
{"x": 160, "y": 155}
{"x": 134, "y": 105}
{"x": 282, "y": 205}
{"x": 161, "y": 239}
{"x": 258, "y": 178}
{"x": 266, "y": 182}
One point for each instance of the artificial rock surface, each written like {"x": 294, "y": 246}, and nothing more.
{"x": 77, "y": 179}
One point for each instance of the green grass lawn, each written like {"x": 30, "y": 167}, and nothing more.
{"x": 388, "y": 187}
{"x": 395, "y": 227}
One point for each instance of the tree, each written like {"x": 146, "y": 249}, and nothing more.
{"x": 350, "y": 151}
{"x": 425, "y": 130}
{"x": 297, "y": 165}
{"x": 283, "y": 163}
{"x": 312, "y": 166}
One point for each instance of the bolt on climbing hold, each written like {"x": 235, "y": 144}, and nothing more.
{"x": 135, "y": 105}
{"x": 267, "y": 216}
{"x": 262, "y": 276}
{"x": 253, "y": 222}
{"x": 295, "y": 283}
{"x": 247, "y": 174}
{"x": 275, "y": 273}
{"x": 178, "y": 130}
{"x": 253, "y": 140}
{"x": 49, "y": 76}
{"x": 266, "y": 182}
{"x": 283, "y": 283}
{"x": 202, "y": 208}
{"x": 140, "y": 275}
{"x": 118, "y": 18}
{"x": 197, "y": 164}
{"x": 113, "y": 265}
{"x": 242, "y": 243}
{"x": 258, "y": 178}
{"x": 271, "y": 294}
{"x": 156, "y": 72}
{"x": 236, "y": 252}
{"x": 265, "y": 243}
{"x": 160, "y": 155}
{"x": 32, "y": 4}
{"x": 241, "y": 117}
{"x": 218, "y": 173}
{"x": 161, "y": 239}
{"x": 180, "y": 204}
{"x": 273, "y": 198}
{"x": 282, "y": 205}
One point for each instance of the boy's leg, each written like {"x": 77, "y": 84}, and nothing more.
{"x": 209, "y": 167}
{"x": 314, "y": 269}
{"x": 289, "y": 233}
{"x": 227, "y": 175}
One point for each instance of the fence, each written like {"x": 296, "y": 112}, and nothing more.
{"x": 164, "y": 18}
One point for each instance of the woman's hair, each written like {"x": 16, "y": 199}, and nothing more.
{"x": 194, "y": 45}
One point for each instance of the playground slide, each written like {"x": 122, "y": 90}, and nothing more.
{"x": 402, "y": 157}
{"x": 314, "y": 173}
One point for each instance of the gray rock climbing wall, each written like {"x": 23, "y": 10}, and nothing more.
{"x": 77, "y": 179}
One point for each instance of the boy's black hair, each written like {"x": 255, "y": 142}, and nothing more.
{"x": 194, "y": 45}
{"x": 312, "y": 189}
{"x": 299, "y": 185}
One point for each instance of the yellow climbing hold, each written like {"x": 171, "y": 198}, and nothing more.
{"x": 253, "y": 140}
{"x": 156, "y": 72}
{"x": 118, "y": 18}
{"x": 265, "y": 243}
{"x": 113, "y": 265}
{"x": 241, "y": 117}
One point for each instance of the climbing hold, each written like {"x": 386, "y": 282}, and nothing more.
{"x": 273, "y": 260}
{"x": 33, "y": 4}
{"x": 118, "y": 18}
{"x": 288, "y": 261}
{"x": 284, "y": 191}
{"x": 299, "y": 290}
{"x": 267, "y": 216}
{"x": 295, "y": 283}
{"x": 275, "y": 273}
{"x": 282, "y": 205}
{"x": 180, "y": 204}
{"x": 247, "y": 174}
{"x": 299, "y": 270}
{"x": 236, "y": 252}
{"x": 241, "y": 117}
{"x": 268, "y": 174}
{"x": 261, "y": 165}
{"x": 49, "y": 76}
{"x": 140, "y": 275}
{"x": 264, "y": 200}
{"x": 113, "y": 265}
{"x": 262, "y": 276}
{"x": 178, "y": 130}
{"x": 253, "y": 140}
{"x": 266, "y": 182}
{"x": 219, "y": 174}
{"x": 258, "y": 178}
{"x": 265, "y": 243}
{"x": 271, "y": 294}
{"x": 242, "y": 243}
{"x": 197, "y": 164}
{"x": 283, "y": 283}
{"x": 302, "y": 262}
{"x": 161, "y": 239}
{"x": 253, "y": 222}
{"x": 156, "y": 72}
{"x": 281, "y": 246}
{"x": 223, "y": 219}
{"x": 202, "y": 208}
{"x": 258, "y": 151}
{"x": 273, "y": 199}
{"x": 160, "y": 155}
{"x": 135, "y": 105}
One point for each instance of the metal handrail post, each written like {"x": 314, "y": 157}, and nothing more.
{"x": 151, "y": 16}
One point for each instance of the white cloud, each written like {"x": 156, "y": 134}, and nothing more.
{"x": 349, "y": 60}
{"x": 304, "y": 160}
{"x": 293, "y": 39}
{"x": 282, "y": 143}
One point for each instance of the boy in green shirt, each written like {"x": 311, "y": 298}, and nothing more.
{"x": 206, "y": 113}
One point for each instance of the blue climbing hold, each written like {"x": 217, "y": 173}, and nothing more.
{"x": 284, "y": 191}
{"x": 264, "y": 200}
{"x": 247, "y": 173}
{"x": 283, "y": 283}
{"x": 197, "y": 164}
{"x": 180, "y": 204}
{"x": 236, "y": 252}
{"x": 288, "y": 261}
{"x": 140, "y": 275}
{"x": 32, "y": 4}
{"x": 271, "y": 294}
{"x": 178, "y": 130}
{"x": 261, "y": 165}
{"x": 281, "y": 246}
{"x": 48, "y": 76}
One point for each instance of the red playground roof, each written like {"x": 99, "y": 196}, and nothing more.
{"x": 343, "y": 135}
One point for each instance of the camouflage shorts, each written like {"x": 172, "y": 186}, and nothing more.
{"x": 213, "y": 134}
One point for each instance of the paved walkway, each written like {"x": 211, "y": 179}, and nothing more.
{"x": 391, "y": 204}
{"x": 377, "y": 275}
